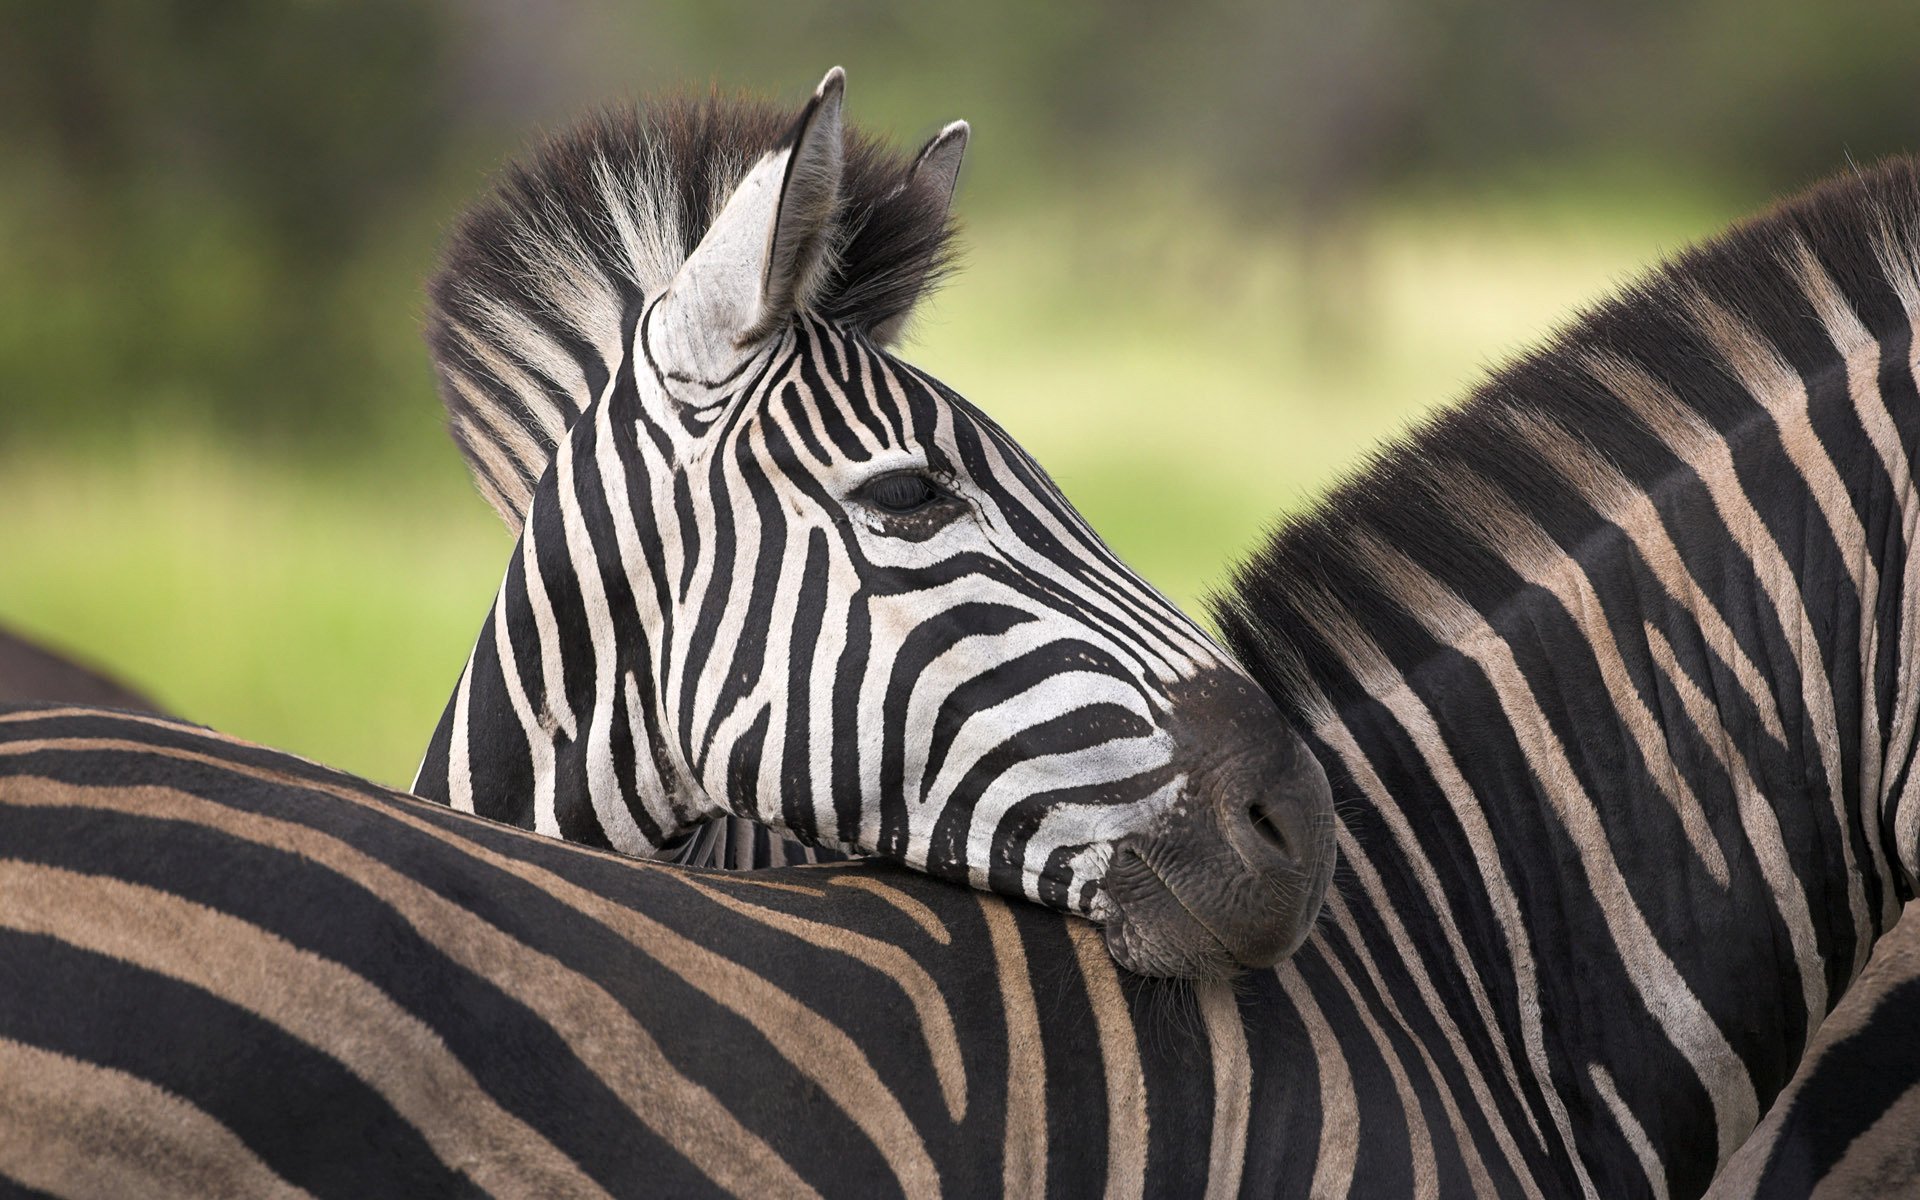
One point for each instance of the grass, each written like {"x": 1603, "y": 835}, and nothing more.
{"x": 1177, "y": 377}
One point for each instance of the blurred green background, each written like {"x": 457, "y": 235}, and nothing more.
{"x": 1216, "y": 250}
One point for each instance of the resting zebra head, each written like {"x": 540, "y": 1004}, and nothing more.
{"x": 767, "y": 569}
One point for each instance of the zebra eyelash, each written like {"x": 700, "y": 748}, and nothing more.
{"x": 894, "y": 494}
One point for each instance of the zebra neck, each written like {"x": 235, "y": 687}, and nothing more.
{"x": 556, "y": 723}
{"x": 1619, "y": 831}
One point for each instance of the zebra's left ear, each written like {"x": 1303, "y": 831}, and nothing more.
{"x": 935, "y": 172}
{"x": 759, "y": 261}
{"x": 937, "y": 167}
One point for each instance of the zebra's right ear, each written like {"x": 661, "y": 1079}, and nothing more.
{"x": 760, "y": 260}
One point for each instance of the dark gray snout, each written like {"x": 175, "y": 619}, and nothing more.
{"x": 1234, "y": 874}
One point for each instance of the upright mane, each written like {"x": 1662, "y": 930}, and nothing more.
{"x": 525, "y": 313}
{"x": 1700, "y": 347}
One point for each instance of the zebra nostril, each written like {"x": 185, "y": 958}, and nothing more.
{"x": 1264, "y": 826}
{"x": 1271, "y": 827}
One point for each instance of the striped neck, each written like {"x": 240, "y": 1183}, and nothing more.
{"x": 555, "y": 725}
{"x": 1602, "y": 781}
{"x": 1610, "y": 672}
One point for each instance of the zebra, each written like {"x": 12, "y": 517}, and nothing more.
{"x": 1608, "y": 668}
{"x": 1846, "y": 1124}
{"x": 353, "y": 984}
{"x": 29, "y": 671}
{"x": 767, "y": 570}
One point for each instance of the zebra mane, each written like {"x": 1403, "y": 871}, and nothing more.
{"x": 1550, "y": 449}
{"x": 525, "y": 312}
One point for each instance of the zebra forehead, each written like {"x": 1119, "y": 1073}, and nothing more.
{"x": 535, "y": 286}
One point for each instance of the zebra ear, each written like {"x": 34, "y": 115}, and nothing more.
{"x": 936, "y": 169}
{"x": 937, "y": 166}
{"x": 760, "y": 260}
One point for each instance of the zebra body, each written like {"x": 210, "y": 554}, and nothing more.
{"x": 1614, "y": 671}
{"x": 1620, "y": 656}
{"x": 30, "y": 672}
{"x": 769, "y": 571}
{"x": 235, "y": 973}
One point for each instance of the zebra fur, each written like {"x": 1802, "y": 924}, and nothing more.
{"x": 1849, "y": 1122}
{"x": 1614, "y": 670}
{"x": 237, "y": 973}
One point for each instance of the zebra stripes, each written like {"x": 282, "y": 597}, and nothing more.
{"x": 1614, "y": 666}
{"x": 1613, "y": 662}
{"x": 773, "y": 572}
{"x": 363, "y": 994}
{"x": 1847, "y": 1123}
{"x": 239, "y": 974}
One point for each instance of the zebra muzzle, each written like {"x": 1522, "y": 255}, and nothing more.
{"x": 1233, "y": 876}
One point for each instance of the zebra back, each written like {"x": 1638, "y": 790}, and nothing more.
{"x": 233, "y": 972}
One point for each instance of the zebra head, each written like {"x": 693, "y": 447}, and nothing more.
{"x": 767, "y": 569}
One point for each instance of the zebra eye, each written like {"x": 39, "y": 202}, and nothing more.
{"x": 901, "y": 492}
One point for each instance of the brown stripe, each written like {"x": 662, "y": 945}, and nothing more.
{"x": 1633, "y": 512}
{"x": 1860, "y": 353}
{"x": 814, "y": 1046}
{"x": 1385, "y": 683}
{"x": 1232, "y": 1089}
{"x": 744, "y": 879}
{"x": 1120, "y": 1059}
{"x": 1339, "y": 1144}
{"x": 77, "y": 1129}
{"x": 599, "y": 1029}
{"x": 1673, "y": 1005}
{"x": 929, "y": 1003}
{"x": 1882, "y": 1161}
{"x": 919, "y": 913}
{"x": 1539, "y": 560}
{"x": 1771, "y": 381}
{"x": 1758, "y": 820}
{"x": 1895, "y": 959}
{"x": 1403, "y": 945}
{"x": 1631, "y": 1131}
{"x": 1025, "y": 1165}
{"x": 1426, "y": 1173}
{"x": 311, "y": 998}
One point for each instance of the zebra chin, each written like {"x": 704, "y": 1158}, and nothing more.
{"x": 1233, "y": 877}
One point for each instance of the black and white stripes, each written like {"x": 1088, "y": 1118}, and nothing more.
{"x": 1614, "y": 669}
{"x": 771, "y": 571}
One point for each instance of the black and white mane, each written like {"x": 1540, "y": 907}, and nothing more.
{"x": 600, "y": 217}
{"x": 1749, "y": 284}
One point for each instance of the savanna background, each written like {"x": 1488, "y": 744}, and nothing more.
{"x": 1216, "y": 250}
